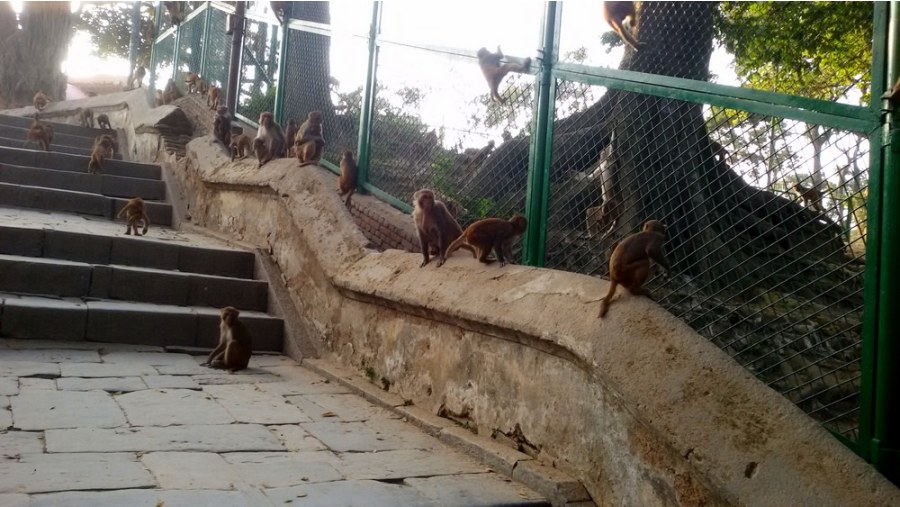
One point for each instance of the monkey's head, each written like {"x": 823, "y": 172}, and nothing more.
{"x": 266, "y": 119}
{"x": 314, "y": 129}
{"x": 519, "y": 222}
{"x": 222, "y": 110}
{"x": 483, "y": 53}
{"x": 423, "y": 199}
{"x": 229, "y": 315}
{"x": 314, "y": 117}
{"x": 347, "y": 154}
{"x": 654, "y": 226}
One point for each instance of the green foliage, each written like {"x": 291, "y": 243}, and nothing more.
{"x": 109, "y": 25}
{"x": 812, "y": 49}
{"x": 258, "y": 103}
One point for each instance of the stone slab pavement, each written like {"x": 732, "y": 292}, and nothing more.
{"x": 99, "y": 424}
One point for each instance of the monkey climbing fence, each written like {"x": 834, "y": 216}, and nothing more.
{"x": 773, "y": 191}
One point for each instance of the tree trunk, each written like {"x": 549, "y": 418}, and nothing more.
{"x": 30, "y": 58}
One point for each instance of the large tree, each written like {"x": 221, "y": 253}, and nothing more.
{"x": 109, "y": 25}
{"x": 31, "y": 51}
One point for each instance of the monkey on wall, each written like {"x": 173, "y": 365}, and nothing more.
{"x": 347, "y": 180}
{"x": 310, "y": 147}
{"x": 619, "y": 15}
{"x": 222, "y": 127}
{"x": 40, "y": 100}
{"x": 629, "y": 264}
{"x": 272, "y": 134}
{"x": 86, "y": 118}
{"x": 190, "y": 79}
{"x": 435, "y": 226}
{"x": 240, "y": 146}
{"x": 491, "y": 234}
{"x": 103, "y": 122}
{"x": 494, "y": 72}
{"x": 259, "y": 149}
{"x": 235, "y": 343}
{"x": 134, "y": 213}
{"x": 312, "y": 118}
{"x": 171, "y": 92}
{"x": 811, "y": 196}
{"x": 212, "y": 97}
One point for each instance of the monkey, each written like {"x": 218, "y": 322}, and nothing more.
{"x": 259, "y": 149}
{"x": 893, "y": 94}
{"x": 159, "y": 98}
{"x": 103, "y": 122}
{"x": 629, "y": 264}
{"x": 240, "y": 146}
{"x": 811, "y": 196}
{"x": 310, "y": 147}
{"x": 40, "y": 100}
{"x": 273, "y": 135}
{"x": 494, "y": 72}
{"x": 491, "y": 233}
{"x": 138, "y": 77}
{"x": 290, "y": 135}
{"x": 174, "y": 10}
{"x": 222, "y": 126}
{"x": 235, "y": 343}
{"x": 190, "y": 79}
{"x": 313, "y": 117}
{"x": 212, "y": 98}
{"x": 98, "y": 155}
{"x": 134, "y": 212}
{"x": 435, "y": 225}
{"x": 618, "y": 14}
{"x": 202, "y": 87}
{"x": 86, "y": 118}
{"x": 108, "y": 143}
{"x": 39, "y": 133}
{"x": 171, "y": 93}
{"x": 278, "y": 9}
{"x": 347, "y": 180}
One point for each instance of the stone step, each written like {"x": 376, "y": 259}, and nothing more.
{"x": 59, "y": 138}
{"x": 54, "y": 277}
{"x": 54, "y": 148}
{"x": 51, "y": 199}
{"x": 76, "y": 163}
{"x": 62, "y": 128}
{"x": 143, "y": 252}
{"x": 104, "y": 184}
{"x": 45, "y": 318}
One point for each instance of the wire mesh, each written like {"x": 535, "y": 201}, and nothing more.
{"x": 474, "y": 154}
{"x": 259, "y": 69}
{"x": 218, "y": 51}
{"x": 313, "y": 88}
{"x": 769, "y": 271}
{"x": 164, "y": 58}
{"x": 190, "y": 49}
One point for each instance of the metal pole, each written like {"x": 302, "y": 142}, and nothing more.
{"x": 234, "y": 66}
{"x": 205, "y": 40}
{"x": 282, "y": 66}
{"x": 368, "y": 104}
{"x": 135, "y": 39}
{"x": 176, "y": 51}
{"x": 536, "y": 196}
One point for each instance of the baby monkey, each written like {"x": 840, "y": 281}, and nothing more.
{"x": 629, "y": 264}
{"x": 240, "y": 146}
{"x": 103, "y": 122}
{"x": 134, "y": 212}
{"x": 347, "y": 181}
{"x": 40, "y": 100}
{"x": 494, "y": 72}
{"x": 812, "y": 197}
{"x": 234, "y": 349}
{"x": 492, "y": 234}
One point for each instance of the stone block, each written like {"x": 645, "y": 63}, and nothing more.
{"x": 170, "y": 382}
{"x": 211, "y": 261}
{"x": 126, "y": 187}
{"x": 219, "y": 292}
{"x": 143, "y": 252}
{"x": 20, "y": 241}
{"x": 166, "y": 407}
{"x": 296, "y": 439}
{"x": 196, "y": 437}
{"x": 101, "y": 281}
{"x": 475, "y": 490}
{"x": 35, "y": 473}
{"x": 40, "y": 410}
{"x": 77, "y": 247}
{"x": 369, "y": 436}
{"x": 140, "y": 323}
{"x": 42, "y": 276}
{"x": 339, "y": 407}
{"x": 52, "y": 199}
{"x": 400, "y": 464}
{"x": 282, "y": 469}
{"x": 43, "y": 318}
{"x": 15, "y": 443}
{"x": 109, "y": 384}
{"x": 191, "y": 470}
{"x": 95, "y": 370}
{"x": 350, "y": 493}
{"x": 247, "y": 404}
{"x": 494, "y": 454}
{"x": 267, "y": 331}
{"x": 130, "y": 284}
{"x": 556, "y": 485}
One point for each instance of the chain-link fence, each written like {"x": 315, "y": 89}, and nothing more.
{"x": 190, "y": 48}
{"x": 744, "y": 126}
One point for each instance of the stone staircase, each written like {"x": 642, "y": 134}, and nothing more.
{"x": 68, "y": 272}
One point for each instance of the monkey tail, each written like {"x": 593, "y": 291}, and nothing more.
{"x": 607, "y": 300}
{"x": 457, "y": 244}
{"x": 308, "y": 162}
{"x": 146, "y": 223}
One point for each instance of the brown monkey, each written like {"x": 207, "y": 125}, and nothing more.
{"x": 629, "y": 264}
{"x": 894, "y": 93}
{"x": 278, "y": 9}
{"x": 174, "y": 10}
{"x": 202, "y": 87}
{"x": 310, "y": 147}
{"x": 259, "y": 149}
{"x": 171, "y": 93}
{"x": 618, "y": 14}
{"x": 494, "y": 72}
{"x": 235, "y": 344}
{"x": 134, "y": 212}
{"x": 240, "y": 146}
{"x": 190, "y": 79}
{"x": 222, "y": 126}
{"x": 39, "y": 133}
{"x": 86, "y": 118}
{"x": 98, "y": 155}
{"x": 40, "y": 100}
{"x": 435, "y": 225}
{"x": 103, "y": 122}
{"x": 347, "y": 181}
{"x": 812, "y": 197}
{"x": 273, "y": 135}
{"x": 159, "y": 98}
{"x": 138, "y": 76}
{"x": 312, "y": 118}
{"x": 491, "y": 234}
{"x": 108, "y": 143}
{"x": 212, "y": 98}
{"x": 290, "y": 136}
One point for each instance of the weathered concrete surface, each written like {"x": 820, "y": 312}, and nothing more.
{"x": 228, "y": 443}
{"x": 639, "y": 407}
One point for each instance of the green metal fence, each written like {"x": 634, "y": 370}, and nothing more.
{"x": 753, "y": 130}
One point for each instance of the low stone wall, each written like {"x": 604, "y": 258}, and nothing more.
{"x": 639, "y": 407}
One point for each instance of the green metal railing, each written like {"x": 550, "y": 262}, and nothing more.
{"x": 588, "y": 144}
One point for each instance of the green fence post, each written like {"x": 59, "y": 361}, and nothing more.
{"x": 880, "y": 366}
{"x": 206, "y": 23}
{"x": 368, "y": 101}
{"x": 537, "y": 192}
{"x": 175, "y": 53}
{"x": 282, "y": 67}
